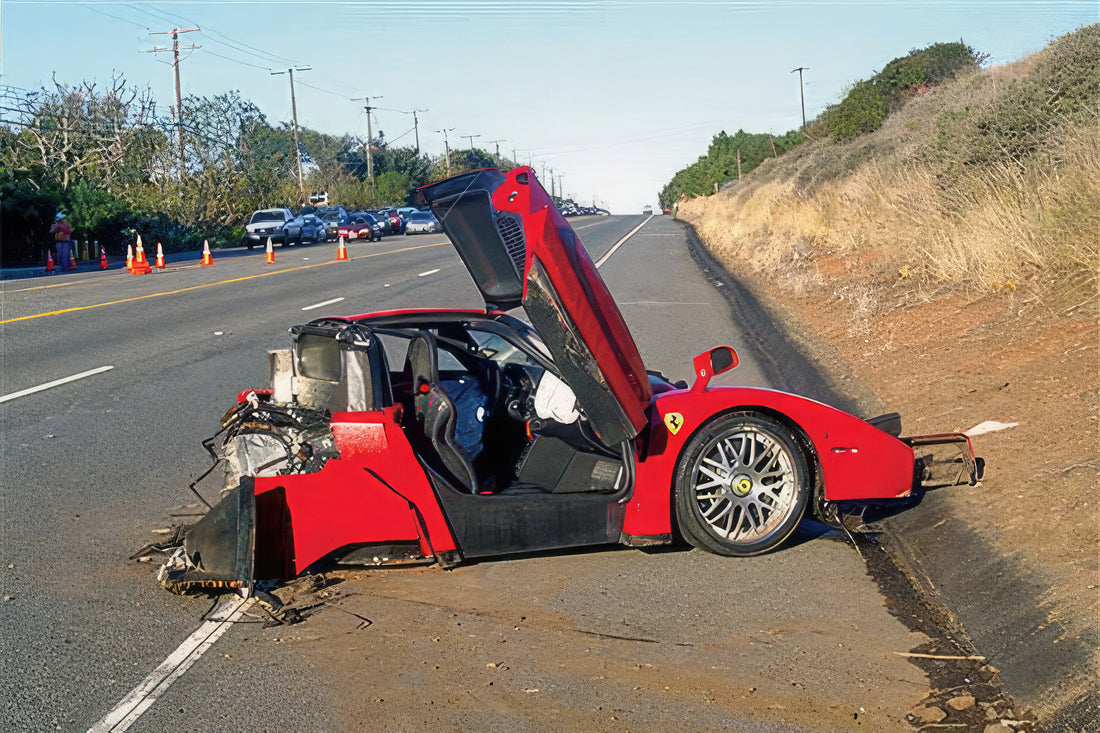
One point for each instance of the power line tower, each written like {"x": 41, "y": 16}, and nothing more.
{"x": 294, "y": 116}
{"x": 801, "y": 93}
{"x": 175, "y": 33}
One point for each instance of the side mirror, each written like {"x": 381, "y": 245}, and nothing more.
{"x": 718, "y": 360}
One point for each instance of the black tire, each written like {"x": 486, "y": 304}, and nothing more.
{"x": 742, "y": 485}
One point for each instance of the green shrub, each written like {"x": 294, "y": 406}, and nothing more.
{"x": 867, "y": 102}
{"x": 1063, "y": 90}
{"x": 862, "y": 110}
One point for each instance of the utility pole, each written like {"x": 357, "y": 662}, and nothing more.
{"x": 471, "y": 139}
{"x": 801, "y": 93}
{"x": 497, "y": 143}
{"x": 447, "y": 146}
{"x": 416, "y": 129}
{"x": 552, "y": 194}
{"x": 294, "y": 117}
{"x": 370, "y": 137}
{"x": 176, "y": 68}
{"x": 561, "y": 185}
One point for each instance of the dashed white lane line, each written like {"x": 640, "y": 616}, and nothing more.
{"x": 614, "y": 247}
{"x": 55, "y": 383}
{"x": 322, "y": 305}
{"x": 429, "y": 272}
{"x": 160, "y": 679}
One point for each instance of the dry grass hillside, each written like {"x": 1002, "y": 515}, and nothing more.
{"x": 949, "y": 262}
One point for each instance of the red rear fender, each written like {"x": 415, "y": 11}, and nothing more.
{"x": 858, "y": 461}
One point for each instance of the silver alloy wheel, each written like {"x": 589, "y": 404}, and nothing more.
{"x": 744, "y": 485}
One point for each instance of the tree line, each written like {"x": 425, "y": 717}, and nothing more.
{"x": 114, "y": 163}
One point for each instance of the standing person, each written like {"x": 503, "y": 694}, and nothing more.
{"x": 62, "y": 233}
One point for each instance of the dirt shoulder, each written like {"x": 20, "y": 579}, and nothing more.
{"x": 1015, "y": 558}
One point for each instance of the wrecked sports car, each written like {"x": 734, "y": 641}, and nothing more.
{"x": 444, "y": 435}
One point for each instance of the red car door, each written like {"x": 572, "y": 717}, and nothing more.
{"x": 521, "y": 252}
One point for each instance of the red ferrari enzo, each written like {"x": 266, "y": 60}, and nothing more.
{"x": 440, "y": 435}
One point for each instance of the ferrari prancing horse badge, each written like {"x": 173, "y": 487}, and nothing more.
{"x": 674, "y": 421}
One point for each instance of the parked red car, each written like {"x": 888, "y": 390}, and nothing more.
{"x": 443, "y": 435}
{"x": 391, "y": 221}
{"x": 360, "y": 226}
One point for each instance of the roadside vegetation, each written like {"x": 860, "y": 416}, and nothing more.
{"x": 109, "y": 158}
{"x": 973, "y": 178}
{"x": 943, "y": 263}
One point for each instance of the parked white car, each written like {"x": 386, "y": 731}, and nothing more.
{"x": 266, "y": 224}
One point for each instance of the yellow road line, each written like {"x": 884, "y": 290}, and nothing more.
{"x": 204, "y": 285}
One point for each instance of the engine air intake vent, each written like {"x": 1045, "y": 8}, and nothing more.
{"x": 511, "y": 233}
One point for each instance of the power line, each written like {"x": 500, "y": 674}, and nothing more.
{"x": 238, "y": 61}
{"x": 322, "y": 89}
{"x": 124, "y": 20}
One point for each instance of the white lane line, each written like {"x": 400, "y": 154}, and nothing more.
{"x": 144, "y": 695}
{"x": 55, "y": 383}
{"x": 322, "y": 305}
{"x": 631, "y": 233}
{"x": 429, "y": 272}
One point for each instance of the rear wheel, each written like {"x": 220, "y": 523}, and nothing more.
{"x": 742, "y": 485}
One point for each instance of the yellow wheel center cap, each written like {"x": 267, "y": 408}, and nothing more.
{"x": 742, "y": 486}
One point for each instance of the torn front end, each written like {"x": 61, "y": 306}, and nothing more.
{"x": 218, "y": 552}
{"x": 309, "y": 465}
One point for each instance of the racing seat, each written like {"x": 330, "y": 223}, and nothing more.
{"x": 435, "y": 413}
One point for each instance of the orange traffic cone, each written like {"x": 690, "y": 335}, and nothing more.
{"x": 72, "y": 256}
{"x": 342, "y": 252}
{"x": 102, "y": 259}
{"x": 129, "y": 256}
{"x": 140, "y": 265}
{"x": 49, "y": 262}
{"x": 207, "y": 258}
{"x": 269, "y": 256}
{"x": 160, "y": 258}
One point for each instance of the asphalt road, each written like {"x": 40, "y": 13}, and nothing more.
{"x": 797, "y": 639}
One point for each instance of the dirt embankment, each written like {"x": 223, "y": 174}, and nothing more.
{"x": 957, "y": 299}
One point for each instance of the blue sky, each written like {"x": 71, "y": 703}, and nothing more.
{"x": 616, "y": 95}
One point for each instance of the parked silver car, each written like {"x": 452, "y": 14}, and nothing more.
{"x": 422, "y": 222}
